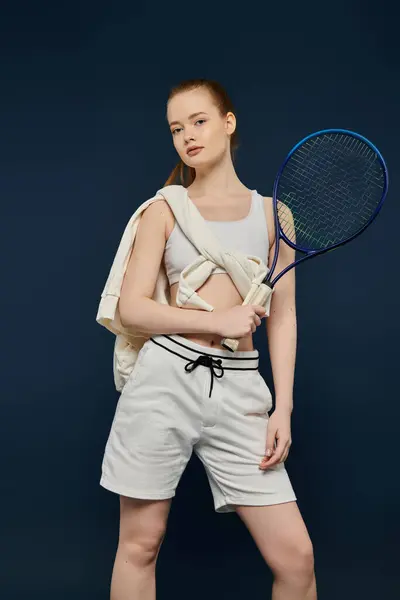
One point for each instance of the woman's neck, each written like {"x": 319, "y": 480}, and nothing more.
{"x": 220, "y": 180}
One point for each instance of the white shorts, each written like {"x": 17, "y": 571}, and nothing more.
{"x": 182, "y": 397}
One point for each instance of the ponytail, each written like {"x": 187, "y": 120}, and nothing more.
{"x": 183, "y": 174}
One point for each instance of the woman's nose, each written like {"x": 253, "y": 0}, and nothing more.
{"x": 189, "y": 137}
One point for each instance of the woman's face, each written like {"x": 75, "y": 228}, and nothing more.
{"x": 195, "y": 121}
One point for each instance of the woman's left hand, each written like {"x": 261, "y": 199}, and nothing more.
{"x": 279, "y": 431}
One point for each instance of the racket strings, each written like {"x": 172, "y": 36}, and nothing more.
{"x": 329, "y": 188}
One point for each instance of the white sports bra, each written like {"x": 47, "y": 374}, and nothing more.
{"x": 248, "y": 235}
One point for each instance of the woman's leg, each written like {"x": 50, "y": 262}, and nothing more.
{"x": 282, "y": 538}
{"x": 142, "y": 529}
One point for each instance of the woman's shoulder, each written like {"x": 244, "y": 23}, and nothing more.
{"x": 267, "y": 200}
{"x": 157, "y": 208}
{"x": 160, "y": 211}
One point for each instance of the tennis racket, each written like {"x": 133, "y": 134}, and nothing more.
{"x": 329, "y": 189}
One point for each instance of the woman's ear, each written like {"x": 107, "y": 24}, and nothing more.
{"x": 230, "y": 123}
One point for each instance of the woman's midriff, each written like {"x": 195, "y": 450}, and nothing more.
{"x": 221, "y": 293}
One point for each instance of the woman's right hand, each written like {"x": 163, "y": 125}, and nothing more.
{"x": 238, "y": 321}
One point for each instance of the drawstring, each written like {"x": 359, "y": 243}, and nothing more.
{"x": 207, "y": 361}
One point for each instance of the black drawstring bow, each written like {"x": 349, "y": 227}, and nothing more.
{"x": 207, "y": 361}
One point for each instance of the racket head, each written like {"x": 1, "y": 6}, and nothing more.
{"x": 334, "y": 183}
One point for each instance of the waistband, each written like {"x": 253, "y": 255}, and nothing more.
{"x": 189, "y": 350}
{"x": 216, "y": 359}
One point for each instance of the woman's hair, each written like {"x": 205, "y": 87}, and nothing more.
{"x": 221, "y": 99}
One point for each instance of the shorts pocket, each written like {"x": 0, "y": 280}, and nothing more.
{"x": 255, "y": 396}
{"x": 139, "y": 368}
{"x": 265, "y": 392}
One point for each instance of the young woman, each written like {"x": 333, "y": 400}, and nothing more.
{"x": 191, "y": 393}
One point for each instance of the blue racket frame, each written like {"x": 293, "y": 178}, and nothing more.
{"x": 311, "y": 253}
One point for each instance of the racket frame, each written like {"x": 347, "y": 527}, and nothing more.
{"x": 279, "y": 234}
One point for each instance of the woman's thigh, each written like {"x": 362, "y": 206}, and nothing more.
{"x": 143, "y": 522}
{"x": 280, "y": 534}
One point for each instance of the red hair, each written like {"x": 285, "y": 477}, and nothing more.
{"x": 182, "y": 172}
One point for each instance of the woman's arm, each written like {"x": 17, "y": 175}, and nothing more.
{"x": 138, "y": 312}
{"x": 281, "y": 328}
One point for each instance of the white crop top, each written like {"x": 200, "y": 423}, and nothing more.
{"x": 248, "y": 235}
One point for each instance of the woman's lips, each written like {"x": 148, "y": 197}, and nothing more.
{"x": 194, "y": 151}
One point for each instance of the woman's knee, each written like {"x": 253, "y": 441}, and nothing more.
{"x": 297, "y": 562}
{"x": 141, "y": 551}
{"x": 142, "y": 530}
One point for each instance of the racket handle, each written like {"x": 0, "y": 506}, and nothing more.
{"x": 258, "y": 294}
{"x": 230, "y": 344}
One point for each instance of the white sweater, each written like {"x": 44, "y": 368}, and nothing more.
{"x": 247, "y": 273}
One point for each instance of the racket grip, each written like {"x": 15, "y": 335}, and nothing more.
{"x": 258, "y": 294}
{"x": 230, "y": 344}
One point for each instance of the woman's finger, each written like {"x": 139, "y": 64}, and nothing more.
{"x": 257, "y": 319}
{"x": 276, "y": 457}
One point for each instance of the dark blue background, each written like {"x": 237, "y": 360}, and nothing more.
{"x": 83, "y": 142}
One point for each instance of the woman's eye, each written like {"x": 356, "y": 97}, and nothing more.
{"x": 178, "y": 129}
